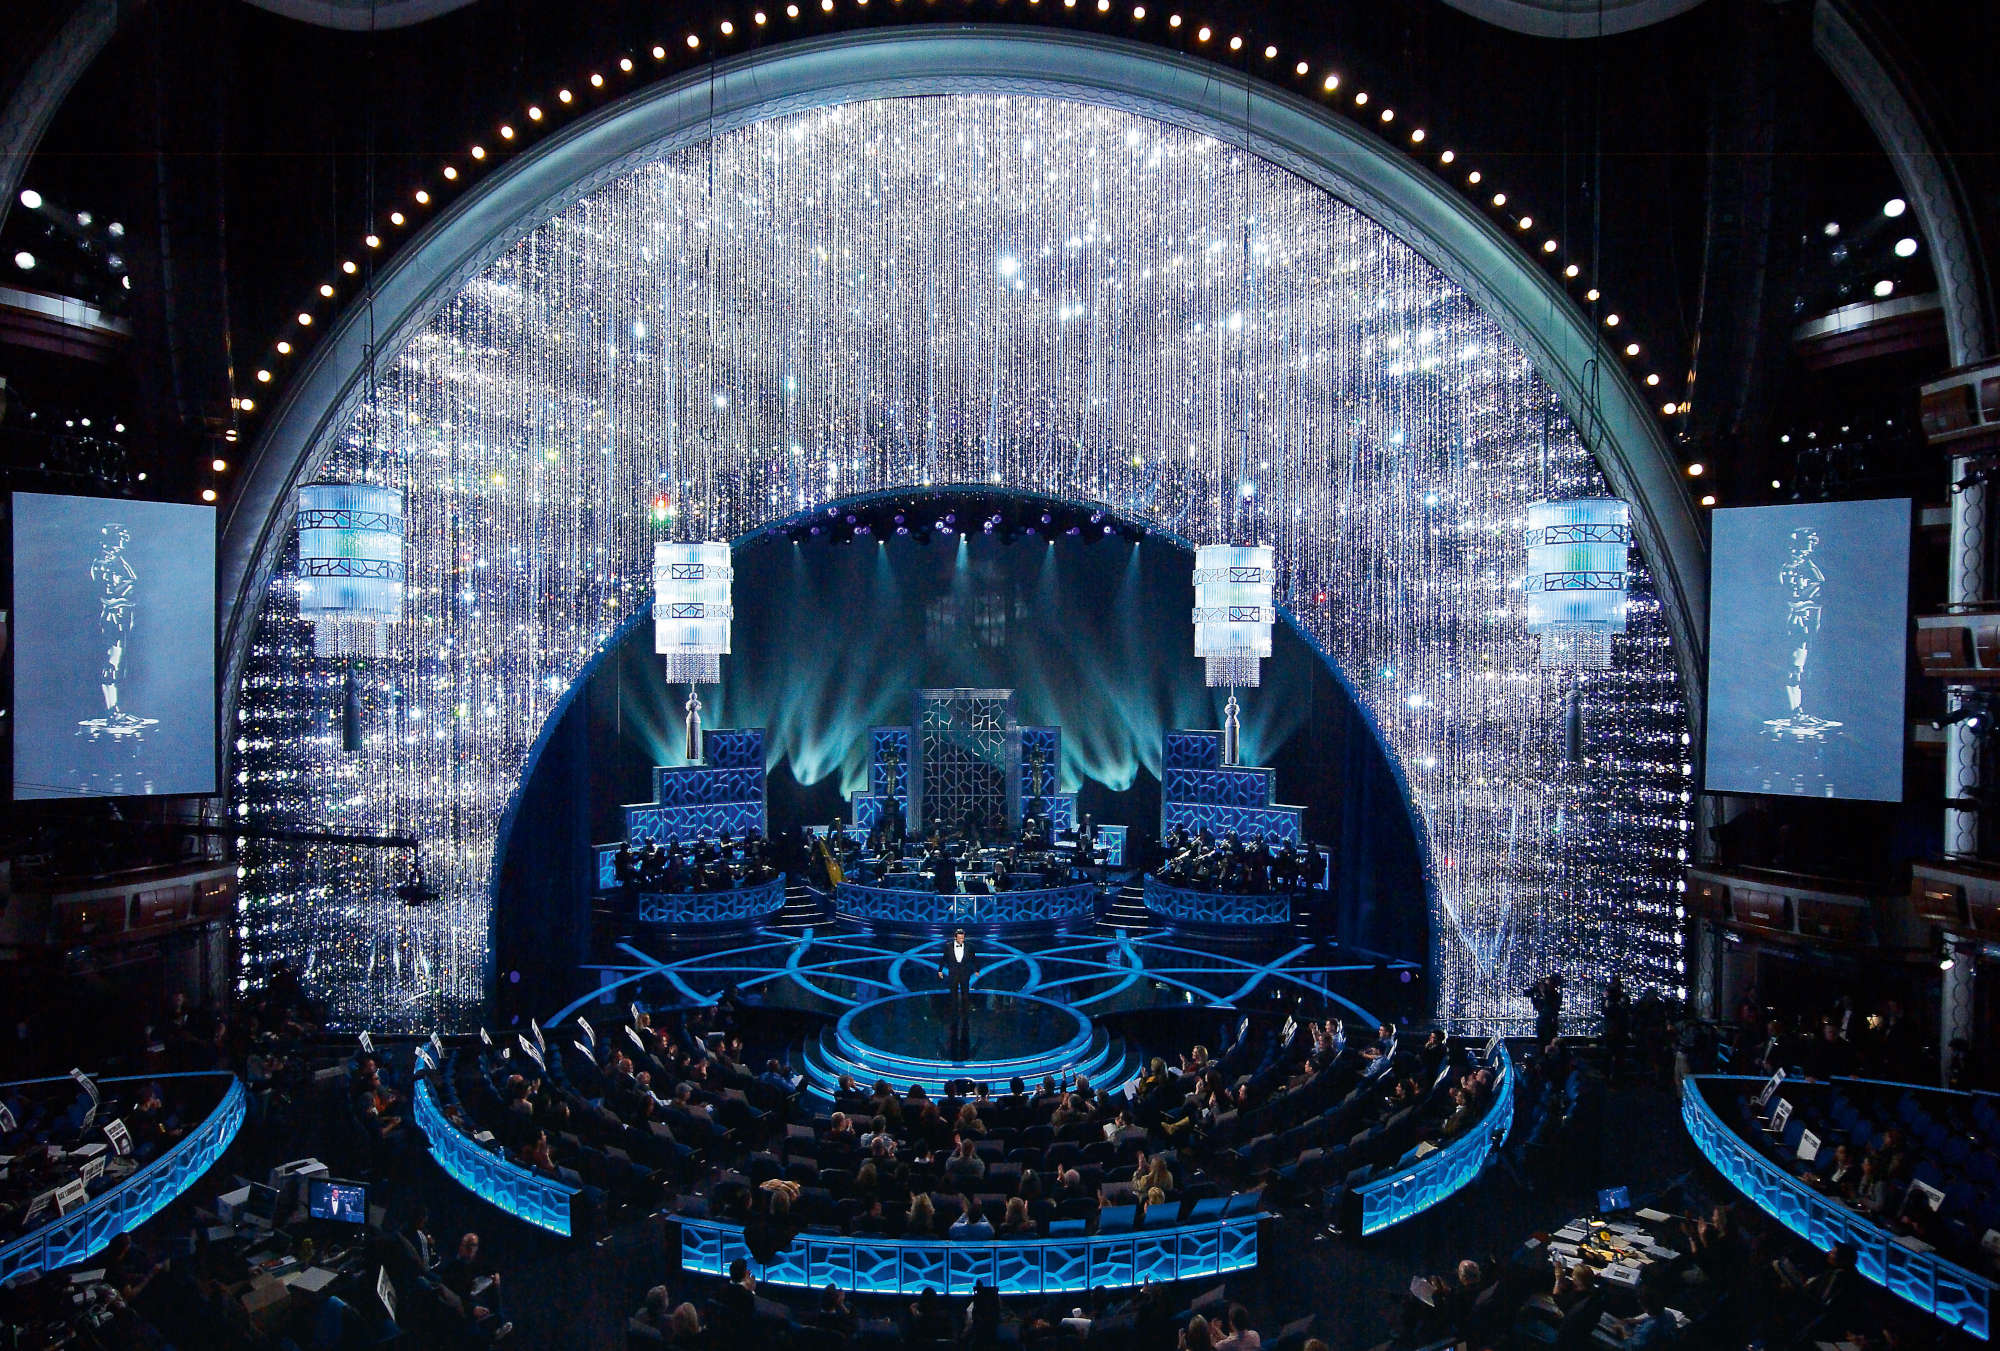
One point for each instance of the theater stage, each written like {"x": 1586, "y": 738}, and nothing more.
{"x": 1059, "y": 1000}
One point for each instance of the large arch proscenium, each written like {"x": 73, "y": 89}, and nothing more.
{"x": 1520, "y": 305}
{"x": 1320, "y": 147}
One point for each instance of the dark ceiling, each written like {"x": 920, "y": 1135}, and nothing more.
{"x": 236, "y": 146}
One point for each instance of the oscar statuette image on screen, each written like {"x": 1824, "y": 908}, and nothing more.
{"x": 114, "y": 660}
{"x": 1809, "y": 612}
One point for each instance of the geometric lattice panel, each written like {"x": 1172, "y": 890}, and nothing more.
{"x": 1419, "y": 1185}
{"x": 521, "y": 1192}
{"x": 1198, "y": 792}
{"x": 1940, "y": 1288}
{"x": 1239, "y": 786}
{"x": 669, "y": 824}
{"x": 739, "y": 905}
{"x": 1273, "y": 823}
{"x": 880, "y": 1266}
{"x": 83, "y": 1232}
{"x": 1224, "y": 909}
{"x": 724, "y": 795}
{"x": 963, "y": 737}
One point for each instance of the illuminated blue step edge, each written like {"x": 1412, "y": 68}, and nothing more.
{"x": 928, "y": 910}
{"x": 876, "y": 1266}
{"x": 845, "y": 1041}
{"x": 1107, "y": 1068}
{"x": 1220, "y": 909}
{"x": 1940, "y": 1288}
{"x": 1415, "y": 1188}
{"x": 521, "y": 1192}
{"x": 690, "y": 909}
{"x": 72, "y": 1238}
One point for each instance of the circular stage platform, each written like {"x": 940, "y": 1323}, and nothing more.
{"x": 905, "y": 1039}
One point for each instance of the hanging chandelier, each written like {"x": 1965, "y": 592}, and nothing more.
{"x": 691, "y": 614}
{"x": 1576, "y": 579}
{"x": 1233, "y": 611}
{"x": 350, "y": 566}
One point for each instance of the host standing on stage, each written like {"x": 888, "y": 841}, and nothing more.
{"x": 956, "y": 970}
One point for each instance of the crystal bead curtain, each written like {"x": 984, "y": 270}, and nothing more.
{"x": 988, "y": 290}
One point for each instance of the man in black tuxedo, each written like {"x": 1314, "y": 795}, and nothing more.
{"x": 955, "y": 969}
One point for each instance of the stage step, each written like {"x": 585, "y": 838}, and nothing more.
{"x": 1128, "y": 910}
{"x": 804, "y": 909}
{"x": 1107, "y": 1062}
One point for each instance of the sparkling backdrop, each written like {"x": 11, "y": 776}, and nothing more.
{"x": 1016, "y": 291}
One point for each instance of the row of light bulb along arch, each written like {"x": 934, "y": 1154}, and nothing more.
{"x": 1328, "y": 84}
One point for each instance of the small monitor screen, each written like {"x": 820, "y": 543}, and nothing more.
{"x": 1808, "y": 646}
{"x": 1614, "y": 1198}
{"x": 114, "y": 647}
{"x": 262, "y": 1203}
{"x": 341, "y": 1202}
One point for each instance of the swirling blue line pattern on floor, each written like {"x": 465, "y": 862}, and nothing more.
{"x": 829, "y": 969}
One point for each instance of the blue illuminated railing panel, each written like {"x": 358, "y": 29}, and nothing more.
{"x": 740, "y": 905}
{"x": 879, "y": 1266}
{"x": 1938, "y": 1287}
{"x": 895, "y": 905}
{"x": 1187, "y": 905}
{"x": 521, "y": 1192}
{"x": 86, "y": 1230}
{"x": 1410, "y": 1190}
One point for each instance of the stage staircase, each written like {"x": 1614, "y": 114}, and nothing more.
{"x": 804, "y": 908}
{"x": 1127, "y": 910}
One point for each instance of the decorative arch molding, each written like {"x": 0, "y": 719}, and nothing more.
{"x": 1326, "y": 150}
{"x": 1573, "y": 18}
{"x": 1925, "y": 173}
{"x": 361, "y": 16}
{"x": 46, "y": 83}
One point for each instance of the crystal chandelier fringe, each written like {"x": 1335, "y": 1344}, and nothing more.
{"x": 959, "y": 290}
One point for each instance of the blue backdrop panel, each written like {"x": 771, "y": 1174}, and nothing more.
{"x": 1193, "y": 750}
{"x": 964, "y": 736}
{"x": 724, "y": 795}
{"x": 1238, "y": 786}
{"x": 699, "y": 786}
{"x": 1197, "y": 792}
{"x": 1277, "y": 823}
{"x": 734, "y": 748}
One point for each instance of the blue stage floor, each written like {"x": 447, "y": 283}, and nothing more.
{"x": 829, "y": 969}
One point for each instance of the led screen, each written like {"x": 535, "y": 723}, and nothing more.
{"x": 114, "y": 656}
{"x": 1808, "y": 625}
